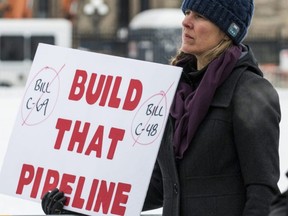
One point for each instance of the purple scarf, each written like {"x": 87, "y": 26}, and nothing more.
{"x": 190, "y": 107}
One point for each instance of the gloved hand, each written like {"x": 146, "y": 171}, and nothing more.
{"x": 53, "y": 202}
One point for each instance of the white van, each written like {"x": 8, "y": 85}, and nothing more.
{"x": 19, "y": 39}
{"x": 155, "y": 34}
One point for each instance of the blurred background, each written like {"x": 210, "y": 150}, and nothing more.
{"x": 142, "y": 29}
{"x": 148, "y": 30}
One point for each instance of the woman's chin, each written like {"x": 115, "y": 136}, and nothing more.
{"x": 185, "y": 50}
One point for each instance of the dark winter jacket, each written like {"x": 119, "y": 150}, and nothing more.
{"x": 231, "y": 167}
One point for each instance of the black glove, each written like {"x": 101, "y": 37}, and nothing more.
{"x": 53, "y": 203}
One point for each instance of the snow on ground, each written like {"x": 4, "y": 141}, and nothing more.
{"x": 10, "y": 99}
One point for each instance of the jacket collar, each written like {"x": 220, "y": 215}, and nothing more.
{"x": 247, "y": 62}
{"x": 224, "y": 93}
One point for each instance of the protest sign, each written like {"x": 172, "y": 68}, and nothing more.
{"x": 91, "y": 125}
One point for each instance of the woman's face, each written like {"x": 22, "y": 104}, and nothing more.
{"x": 199, "y": 34}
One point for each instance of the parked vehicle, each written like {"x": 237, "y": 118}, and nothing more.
{"x": 19, "y": 39}
{"x": 155, "y": 34}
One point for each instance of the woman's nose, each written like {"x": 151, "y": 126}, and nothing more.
{"x": 187, "y": 21}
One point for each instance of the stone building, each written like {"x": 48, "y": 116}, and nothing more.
{"x": 270, "y": 19}
{"x": 99, "y": 31}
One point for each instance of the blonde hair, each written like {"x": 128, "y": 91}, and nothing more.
{"x": 207, "y": 56}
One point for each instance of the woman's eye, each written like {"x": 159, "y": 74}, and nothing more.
{"x": 187, "y": 12}
{"x": 199, "y": 16}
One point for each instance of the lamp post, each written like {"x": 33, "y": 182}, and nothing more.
{"x": 96, "y": 9}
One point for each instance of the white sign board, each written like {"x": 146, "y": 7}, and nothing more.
{"x": 91, "y": 125}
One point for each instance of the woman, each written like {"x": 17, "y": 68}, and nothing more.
{"x": 219, "y": 152}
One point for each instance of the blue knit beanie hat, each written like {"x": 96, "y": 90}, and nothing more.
{"x": 232, "y": 16}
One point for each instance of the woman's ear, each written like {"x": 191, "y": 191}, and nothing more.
{"x": 226, "y": 38}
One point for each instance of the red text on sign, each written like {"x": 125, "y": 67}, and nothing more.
{"x": 78, "y": 137}
{"x": 105, "y": 197}
{"x": 98, "y": 91}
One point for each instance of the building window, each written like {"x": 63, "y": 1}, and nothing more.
{"x": 35, "y": 40}
{"x": 12, "y": 48}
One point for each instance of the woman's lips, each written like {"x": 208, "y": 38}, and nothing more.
{"x": 188, "y": 36}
